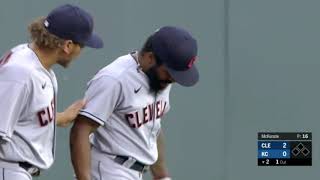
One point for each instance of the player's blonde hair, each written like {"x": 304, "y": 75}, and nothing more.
{"x": 42, "y": 37}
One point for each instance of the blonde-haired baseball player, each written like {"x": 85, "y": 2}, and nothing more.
{"x": 28, "y": 90}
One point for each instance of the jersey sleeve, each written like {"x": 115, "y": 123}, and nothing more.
{"x": 13, "y": 100}
{"x": 103, "y": 96}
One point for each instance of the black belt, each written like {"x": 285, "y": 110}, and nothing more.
{"x": 34, "y": 171}
{"x": 138, "y": 166}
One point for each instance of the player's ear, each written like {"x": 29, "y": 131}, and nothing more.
{"x": 147, "y": 60}
{"x": 67, "y": 46}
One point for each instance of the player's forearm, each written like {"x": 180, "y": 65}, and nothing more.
{"x": 61, "y": 119}
{"x": 68, "y": 115}
{"x": 80, "y": 152}
{"x": 159, "y": 169}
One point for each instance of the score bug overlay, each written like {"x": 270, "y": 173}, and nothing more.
{"x": 284, "y": 149}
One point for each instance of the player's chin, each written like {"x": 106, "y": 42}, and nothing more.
{"x": 64, "y": 64}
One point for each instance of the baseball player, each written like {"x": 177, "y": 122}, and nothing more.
{"x": 118, "y": 133}
{"x": 29, "y": 90}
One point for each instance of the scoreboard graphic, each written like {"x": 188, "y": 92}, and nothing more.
{"x": 284, "y": 149}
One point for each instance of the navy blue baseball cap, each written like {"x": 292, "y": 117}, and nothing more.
{"x": 177, "y": 50}
{"x": 73, "y": 23}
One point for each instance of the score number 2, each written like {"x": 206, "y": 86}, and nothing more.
{"x": 284, "y": 145}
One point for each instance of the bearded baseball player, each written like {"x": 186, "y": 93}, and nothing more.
{"x": 118, "y": 135}
{"x": 29, "y": 90}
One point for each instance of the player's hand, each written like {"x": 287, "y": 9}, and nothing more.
{"x": 68, "y": 115}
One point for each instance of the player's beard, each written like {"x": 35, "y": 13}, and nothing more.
{"x": 64, "y": 62}
{"x": 155, "y": 83}
{"x": 66, "y": 59}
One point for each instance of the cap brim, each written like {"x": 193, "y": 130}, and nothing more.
{"x": 94, "y": 41}
{"x": 185, "y": 78}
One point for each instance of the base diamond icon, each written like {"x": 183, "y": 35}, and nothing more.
{"x": 305, "y": 151}
{"x": 295, "y": 151}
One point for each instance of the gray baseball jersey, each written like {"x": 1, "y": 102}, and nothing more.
{"x": 27, "y": 108}
{"x": 120, "y": 101}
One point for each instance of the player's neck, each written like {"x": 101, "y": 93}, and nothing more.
{"x": 46, "y": 57}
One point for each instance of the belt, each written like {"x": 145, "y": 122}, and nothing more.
{"x": 32, "y": 170}
{"x": 131, "y": 163}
